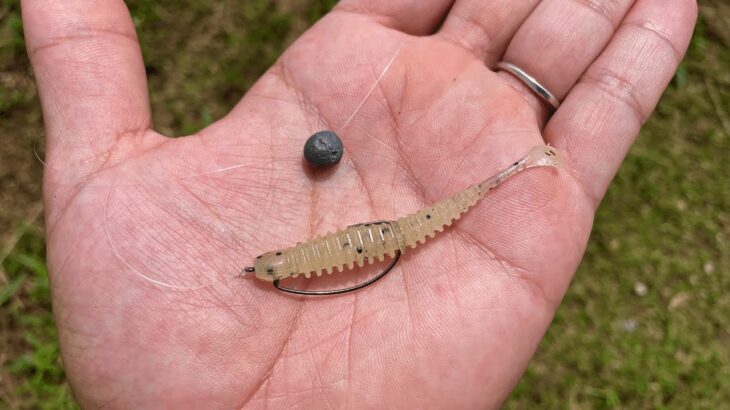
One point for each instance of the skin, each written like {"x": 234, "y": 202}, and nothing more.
{"x": 145, "y": 234}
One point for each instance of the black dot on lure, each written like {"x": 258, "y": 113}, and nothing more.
{"x": 323, "y": 149}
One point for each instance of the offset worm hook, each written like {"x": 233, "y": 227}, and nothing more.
{"x": 343, "y": 290}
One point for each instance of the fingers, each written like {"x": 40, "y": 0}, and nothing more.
{"x": 90, "y": 76}
{"x": 601, "y": 116}
{"x": 485, "y": 27}
{"x": 560, "y": 39}
{"x": 417, "y": 17}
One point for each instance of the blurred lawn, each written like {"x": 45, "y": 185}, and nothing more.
{"x": 646, "y": 323}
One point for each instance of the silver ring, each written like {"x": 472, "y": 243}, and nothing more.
{"x": 531, "y": 82}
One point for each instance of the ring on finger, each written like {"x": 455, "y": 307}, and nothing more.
{"x": 531, "y": 83}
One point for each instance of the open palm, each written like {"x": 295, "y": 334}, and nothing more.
{"x": 146, "y": 233}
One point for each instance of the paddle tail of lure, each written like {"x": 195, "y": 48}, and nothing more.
{"x": 429, "y": 221}
{"x": 366, "y": 243}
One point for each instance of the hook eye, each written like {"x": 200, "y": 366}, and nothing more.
{"x": 244, "y": 271}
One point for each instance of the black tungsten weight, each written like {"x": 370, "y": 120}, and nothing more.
{"x": 323, "y": 149}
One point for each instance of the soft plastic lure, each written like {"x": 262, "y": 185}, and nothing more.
{"x": 373, "y": 241}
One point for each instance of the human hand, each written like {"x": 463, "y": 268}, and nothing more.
{"x": 145, "y": 233}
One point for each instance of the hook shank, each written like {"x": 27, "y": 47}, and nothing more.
{"x": 343, "y": 290}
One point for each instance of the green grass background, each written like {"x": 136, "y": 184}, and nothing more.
{"x": 646, "y": 323}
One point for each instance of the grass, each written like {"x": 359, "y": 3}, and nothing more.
{"x": 32, "y": 376}
{"x": 646, "y": 323}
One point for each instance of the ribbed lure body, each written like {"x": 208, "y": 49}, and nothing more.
{"x": 373, "y": 241}
{"x": 355, "y": 245}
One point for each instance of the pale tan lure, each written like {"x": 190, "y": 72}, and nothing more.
{"x": 373, "y": 241}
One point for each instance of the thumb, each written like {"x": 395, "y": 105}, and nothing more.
{"x": 91, "y": 81}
